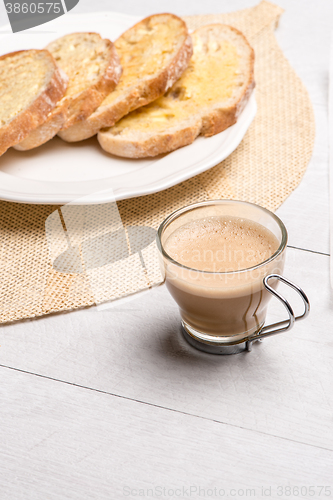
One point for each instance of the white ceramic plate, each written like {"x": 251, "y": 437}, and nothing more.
{"x": 58, "y": 172}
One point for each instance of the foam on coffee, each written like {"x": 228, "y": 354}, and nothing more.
{"x": 221, "y": 244}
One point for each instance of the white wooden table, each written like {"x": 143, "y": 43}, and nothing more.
{"x": 115, "y": 404}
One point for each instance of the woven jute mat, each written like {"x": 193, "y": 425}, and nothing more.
{"x": 54, "y": 259}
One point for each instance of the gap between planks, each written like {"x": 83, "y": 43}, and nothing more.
{"x": 163, "y": 407}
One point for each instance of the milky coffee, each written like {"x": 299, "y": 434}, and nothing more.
{"x": 218, "y": 284}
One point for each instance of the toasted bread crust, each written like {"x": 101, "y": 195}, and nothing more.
{"x": 206, "y": 123}
{"x": 153, "y": 145}
{"x": 135, "y": 96}
{"x": 72, "y": 109}
{"x": 32, "y": 117}
{"x": 221, "y": 119}
{"x": 55, "y": 120}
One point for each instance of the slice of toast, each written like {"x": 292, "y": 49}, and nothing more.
{"x": 207, "y": 99}
{"x": 153, "y": 54}
{"x": 94, "y": 70}
{"x": 31, "y": 84}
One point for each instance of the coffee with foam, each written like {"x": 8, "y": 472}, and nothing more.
{"x": 221, "y": 244}
{"x": 216, "y": 273}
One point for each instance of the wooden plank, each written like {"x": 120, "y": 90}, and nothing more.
{"x": 283, "y": 387}
{"x": 64, "y": 442}
{"x": 330, "y": 134}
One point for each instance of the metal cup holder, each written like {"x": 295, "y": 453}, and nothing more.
{"x": 266, "y": 331}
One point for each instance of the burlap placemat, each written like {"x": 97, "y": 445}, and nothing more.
{"x": 53, "y": 260}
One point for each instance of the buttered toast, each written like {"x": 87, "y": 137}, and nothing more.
{"x": 153, "y": 53}
{"x": 93, "y": 68}
{"x": 31, "y": 84}
{"x": 206, "y": 100}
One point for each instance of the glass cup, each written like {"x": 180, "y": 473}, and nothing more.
{"x": 220, "y": 309}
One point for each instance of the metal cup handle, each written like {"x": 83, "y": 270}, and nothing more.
{"x": 281, "y": 326}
